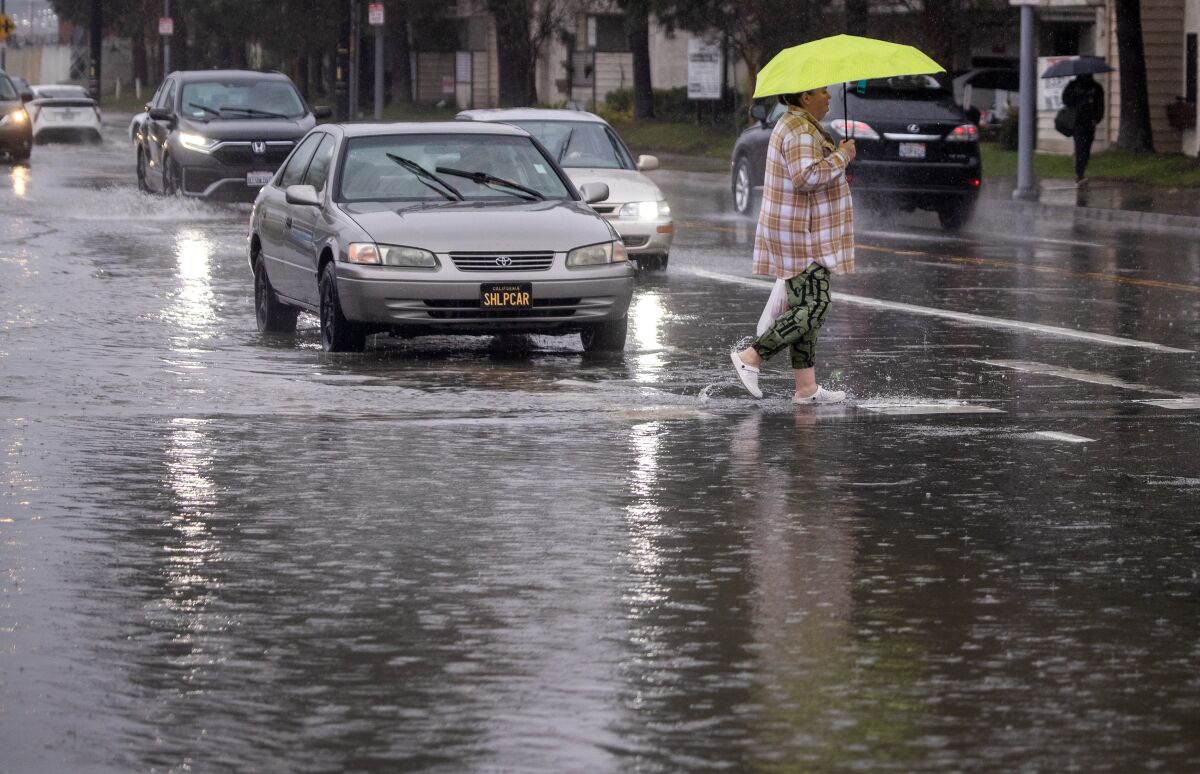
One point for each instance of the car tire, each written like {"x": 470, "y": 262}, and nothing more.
{"x": 337, "y": 333}
{"x": 606, "y": 336}
{"x": 143, "y": 185}
{"x": 271, "y": 315}
{"x": 170, "y": 175}
{"x": 956, "y": 215}
{"x": 744, "y": 195}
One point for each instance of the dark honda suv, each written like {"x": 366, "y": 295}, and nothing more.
{"x": 220, "y": 133}
{"x": 916, "y": 148}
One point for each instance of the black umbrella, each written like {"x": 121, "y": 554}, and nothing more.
{"x": 1073, "y": 67}
{"x": 995, "y": 78}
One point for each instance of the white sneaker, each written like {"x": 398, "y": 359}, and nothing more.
{"x": 822, "y": 395}
{"x": 747, "y": 373}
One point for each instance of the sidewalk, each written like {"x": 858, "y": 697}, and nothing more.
{"x": 1100, "y": 201}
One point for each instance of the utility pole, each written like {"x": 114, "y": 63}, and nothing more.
{"x": 1027, "y": 112}
{"x": 355, "y": 36}
{"x": 375, "y": 17}
{"x": 166, "y": 39}
{"x": 4, "y": 44}
{"x": 97, "y": 48}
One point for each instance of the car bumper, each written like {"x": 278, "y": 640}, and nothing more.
{"x": 44, "y": 131}
{"x": 643, "y": 237}
{"x": 15, "y": 137}
{"x": 205, "y": 175}
{"x": 918, "y": 185}
{"x": 417, "y": 301}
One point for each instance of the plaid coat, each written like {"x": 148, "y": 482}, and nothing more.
{"x": 807, "y": 215}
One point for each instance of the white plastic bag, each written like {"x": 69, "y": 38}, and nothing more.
{"x": 776, "y": 305}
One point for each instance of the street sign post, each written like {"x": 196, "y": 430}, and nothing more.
{"x": 375, "y": 19}
{"x": 7, "y": 27}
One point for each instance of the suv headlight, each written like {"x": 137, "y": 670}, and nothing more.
{"x": 17, "y": 117}
{"x": 197, "y": 142}
{"x": 596, "y": 255}
{"x": 391, "y": 255}
{"x": 645, "y": 210}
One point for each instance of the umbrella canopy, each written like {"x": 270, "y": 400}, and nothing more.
{"x": 839, "y": 59}
{"x": 993, "y": 78}
{"x": 1072, "y": 67}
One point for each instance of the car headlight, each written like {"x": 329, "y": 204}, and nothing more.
{"x": 596, "y": 255}
{"x": 391, "y": 255}
{"x": 197, "y": 142}
{"x": 16, "y": 117}
{"x": 645, "y": 210}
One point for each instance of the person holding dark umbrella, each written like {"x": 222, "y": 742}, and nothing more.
{"x": 1086, "y": 97}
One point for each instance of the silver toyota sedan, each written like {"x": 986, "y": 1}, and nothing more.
{"x": 434, "y": 228}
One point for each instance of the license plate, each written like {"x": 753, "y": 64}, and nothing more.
{"x": 68, "y": 115}
{"x": 258, "y": 178}
{"x": 506, "y": 295}
{"x": 912, "y": 150}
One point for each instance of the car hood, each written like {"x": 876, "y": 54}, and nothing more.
{"x": 482, "y": 226}
{"x": 624, "y": 185}
{"x": 250, "y": 128}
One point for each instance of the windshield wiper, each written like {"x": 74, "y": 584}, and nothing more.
{"x": 205, "y": 108}
{"x": 252, "y": 111}
{"x": 566, "y": 144}
{"x": 425, "y": 176}
{"x": 483, "y": 178}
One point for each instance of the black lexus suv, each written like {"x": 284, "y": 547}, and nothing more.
{"x": 916, "y": 148}
{"x": 219, "y": 133}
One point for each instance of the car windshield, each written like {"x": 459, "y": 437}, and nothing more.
{"x": 232, "y": 99}
{"x": 580, "y": 143}
{"x": 919, "y": 88}
{"x": 373, "y": 168}
{"x": 6, "y": 89}
{"x": 61, "y": 92}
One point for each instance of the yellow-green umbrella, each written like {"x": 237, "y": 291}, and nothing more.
{"x": 839, "y": 59}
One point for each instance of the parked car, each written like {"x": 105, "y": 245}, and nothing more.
{"x": 220, "y": 133}
{"x": 63, "y": 112}
{"x": 23, "y": 87}
{"x": 591, "y": 151}
{"x": 916, "y": 149}
{"x": 16, "y": 137}
{"x": 449, "y": 228}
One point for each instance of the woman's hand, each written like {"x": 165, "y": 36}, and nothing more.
{"x": 847, "y": 147}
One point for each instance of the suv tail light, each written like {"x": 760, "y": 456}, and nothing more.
{"x": 853, "y": 130}
{"x": 964, "y": 133}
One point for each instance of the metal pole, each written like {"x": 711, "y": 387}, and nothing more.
{"x": 378, "y": 72}
{"x": 354, "y": 40}
{"x": 166, "y": 41}
{"x": 1027, "y": 113}
{"x": 97, "y": 30}
{"x": 4, "y": 45}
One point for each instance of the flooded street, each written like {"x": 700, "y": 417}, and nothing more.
{"x": 225, "y": 552}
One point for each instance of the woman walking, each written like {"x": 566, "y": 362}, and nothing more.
{"x": 805, "y": 234}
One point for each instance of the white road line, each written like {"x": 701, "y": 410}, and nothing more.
{"x": 1031, "y": 367}
{"x": 1178, "y": 404}
{"x": 1056, "y": 436}
{"x": 974, "y": 319}
{"x": 918, "y": 408}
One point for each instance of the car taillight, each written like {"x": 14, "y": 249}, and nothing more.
{"x": 976, "y": 182}
{"x": 964, "y": 133}
{"x": 853, "y": 130}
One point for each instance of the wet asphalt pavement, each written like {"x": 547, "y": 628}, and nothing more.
{"x": 229, "y": 553}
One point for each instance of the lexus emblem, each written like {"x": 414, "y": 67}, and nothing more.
{"x": 914, "y": 128}
{"x": 259, "y": 148}
{"x": 503, "y": 260}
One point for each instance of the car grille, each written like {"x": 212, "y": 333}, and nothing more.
{"x": 502, "y": 261}
{"x": 240, "y": 153}
{"x": 440, "y": 309}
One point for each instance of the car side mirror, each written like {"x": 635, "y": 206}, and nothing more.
{"x": 322, "y": 111}
{"x": 302, "y": 194}
{"x": 758, "y": 111}
{"x": 647, "y": 163}
{"x": 594, "y": 192}
{"x": 161, "y": 114}
{"x": 26, "y": 96}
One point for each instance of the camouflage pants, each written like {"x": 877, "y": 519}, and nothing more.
{"x": 808, "y": 301}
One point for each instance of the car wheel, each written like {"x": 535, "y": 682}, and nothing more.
{"x": 606, "y": 336}
{"x": 337, "y": 333}
{"x": 22, "y": 153}
{"x": 743, "y": 187}
{"x": 955, "y": 215}
{"x": 143, "y": 186}
{"x": 170, "y": 183}
{"x": 271, "y": 315}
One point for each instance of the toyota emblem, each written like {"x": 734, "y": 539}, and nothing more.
{"x": 259, "y": 148}
{"x": 503, "y": 260}
{"x": 914, "y": 128}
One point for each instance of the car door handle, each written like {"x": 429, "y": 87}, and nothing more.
{"x": 288, "y": 221}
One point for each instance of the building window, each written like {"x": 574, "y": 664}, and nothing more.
{"x": 607, "y": 33}
{"x": 1190, "y": 79}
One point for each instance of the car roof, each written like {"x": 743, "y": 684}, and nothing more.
{"x": 189, "y": 76}
{"x": 430, "y": 127}
{"x": 529, "y": 114}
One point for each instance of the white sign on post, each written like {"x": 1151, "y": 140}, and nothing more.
{"x": 375, "y": 14}
{"x": 1050, "y": 90}
{"x": 704, "y": 70}
{"x": 166, "y": 25}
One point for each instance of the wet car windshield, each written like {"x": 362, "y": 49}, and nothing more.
{"x": 6, "y": 89}
{"x": 206, "y": 100}
{"x": 579, "y": 144}
{"x": 369, "y": 173}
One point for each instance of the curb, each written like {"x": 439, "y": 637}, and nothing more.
{"x": 1091, "y": 215}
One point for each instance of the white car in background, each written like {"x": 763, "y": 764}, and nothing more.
{"x": 590, "y": 151}
{"x": 63, "y": 112}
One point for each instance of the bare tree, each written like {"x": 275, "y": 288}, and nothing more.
{"x": 1135, "y": 134}
{"x": 523, "y": 27}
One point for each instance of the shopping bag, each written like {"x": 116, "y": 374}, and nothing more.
{"x": 776, "y": 305}
{"x": 1064, "y": 121}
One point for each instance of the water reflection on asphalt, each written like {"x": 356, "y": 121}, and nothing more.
{"x": 230, "y": 552}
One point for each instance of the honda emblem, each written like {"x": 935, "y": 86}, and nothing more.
{"x": 259, "y": 148}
